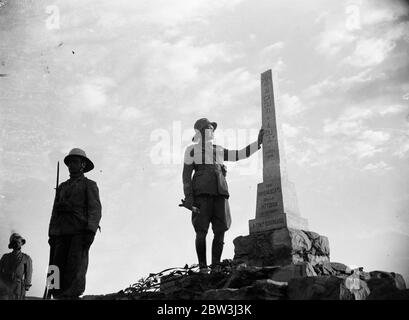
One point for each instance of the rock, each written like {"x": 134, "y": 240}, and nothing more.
{"x": 191, "y": 286}
{"x": 262, "y": 249}
{"x": 223, "y": 294}
{"x": 319, "y": 243}
{"x": 324, "y": 269}
{"x": 248, "y": 276}
{"x": 387, "y": 286}
{"x": 358, "y": 287}
{"x": 298, "y": 270}
{"x": 398, "y": 279}
{"x": 381, "y": 288}
{"x": 260, "y": 290}
{"x": 315, "y": 288}
{"x": 345, "y": 293}
{"x": 394, "y": 295}
{"x": 340, "y": 268}
{"x": 300, "y": 241}
{"x": 281, "y": 247}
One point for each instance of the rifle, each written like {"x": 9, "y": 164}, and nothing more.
{"x": 47, "y": 293}
{"x": 193, "y": 208}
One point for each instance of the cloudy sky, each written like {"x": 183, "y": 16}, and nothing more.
{"x": 125, "y": 80}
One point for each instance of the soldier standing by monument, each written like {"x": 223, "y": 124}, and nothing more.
{"x": 75, "y": 219}
{"x": 16, "y": 269}
{"x": 206, "y": 194}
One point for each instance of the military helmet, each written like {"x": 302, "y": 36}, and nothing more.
{"x": 15, "y": 236}
{"x": 80, "y": 153}
{"x": 200, "y": 125}
{"x": 203, "y": 123}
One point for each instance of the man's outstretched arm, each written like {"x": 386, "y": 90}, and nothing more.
{"x": 236, "y": 155}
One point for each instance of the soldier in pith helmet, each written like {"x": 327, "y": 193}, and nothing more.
{"x": 16, "y": 269}
{"x": 74, "y": 221}
{"x": 206, "y": 193}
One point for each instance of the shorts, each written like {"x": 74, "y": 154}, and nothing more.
{"x": 213, "y": 209}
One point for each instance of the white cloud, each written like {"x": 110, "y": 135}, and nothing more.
{"x": 375, "y": 137}
{"x": 131, "y": 113}
{"x": 94, "y": 97}
{"x": 321, "y": 17}
{"x": 349, "y": 123}
{"x": 367, "y": 143}
{"x": 403, "y": 150}
{"x": 370, "y": 52}
{"x": 341, "y": 84}
{"x": 271, "y": 49}
{"x": 290, "y": 131}
{"x": 291, "y": 105}
{"x": 332, "y": 40}
{"x": 222, "y": 91}
{"x": 163, "y": 13}
{"x": 89, "y": 96}
{"x": 362, "y": 149}
{"x": 279, "y": 66}
{"x": 352, "y": 132}
{"x": 373, "y": 13}
{"x": 177, "y": 64}
{"x": 356, "y": 113}
{"x": 392, "y": 109}
{"x": 175, "y": 12}
{"x": 381, "y": 165}
{"x": 373, "y": 36}
{"x": 269, "y": 57}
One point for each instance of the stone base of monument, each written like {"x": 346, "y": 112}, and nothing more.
{"x": 281, "y": 247}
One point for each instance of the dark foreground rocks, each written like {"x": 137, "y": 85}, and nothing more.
{"x": 282, "y": 264}
{"x": 300, "y": 281}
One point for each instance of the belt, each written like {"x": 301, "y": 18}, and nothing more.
{"x": 210, "y": 167}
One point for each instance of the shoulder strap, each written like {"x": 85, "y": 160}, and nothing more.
{"x": 10, "y": 268}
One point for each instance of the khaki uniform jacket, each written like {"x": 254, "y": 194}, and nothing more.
{"x": 77, "y": 207}
{"x": 16, "y": 269}
{"x": 207, "y": 163}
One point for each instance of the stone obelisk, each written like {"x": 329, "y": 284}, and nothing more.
{"x": 279, "y": 236}
{"x": 276, "y": 198}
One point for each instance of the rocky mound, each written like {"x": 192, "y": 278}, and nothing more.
{"x": 237, "y": 281}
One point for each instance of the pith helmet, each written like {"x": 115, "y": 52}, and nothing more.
{"x": 15, "y": 236}
{"x": 80, "y": 153}
{"x": 200, "y": 124}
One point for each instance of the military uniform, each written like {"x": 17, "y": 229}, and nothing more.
{"x": 16, "y": 270}
{"x": 209, "y": 190}
{"x": 74, "y": 220}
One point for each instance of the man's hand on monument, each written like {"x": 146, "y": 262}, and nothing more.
{"x": 260, "y": 137}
